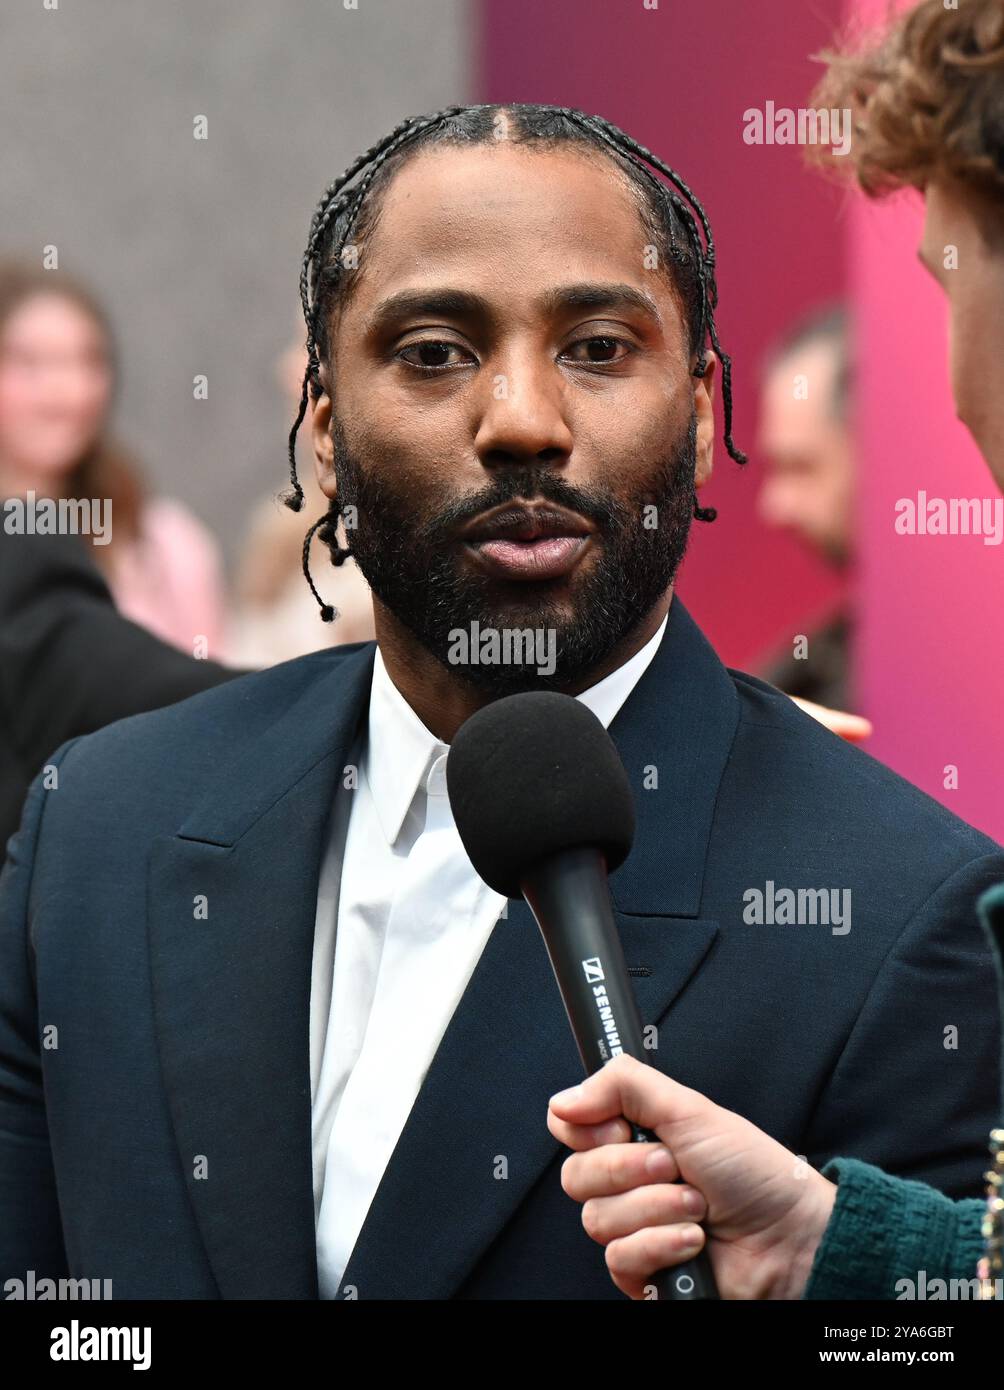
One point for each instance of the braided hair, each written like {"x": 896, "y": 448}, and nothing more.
{"x": 669, "y": 213}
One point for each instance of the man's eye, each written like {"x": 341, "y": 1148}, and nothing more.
{"x": 603, "y": 345}
{"x": 434, "y": 354}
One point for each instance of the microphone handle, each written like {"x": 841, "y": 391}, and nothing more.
{"x": 569, "y": 896}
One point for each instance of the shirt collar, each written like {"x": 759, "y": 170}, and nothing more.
{"x": 400, "y": 750}
{"x": 606, "y": 696}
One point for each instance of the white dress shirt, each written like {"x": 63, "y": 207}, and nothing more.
{"x": 412, "y": 920}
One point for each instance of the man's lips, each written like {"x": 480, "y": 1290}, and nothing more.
{"x": 547, "y": 557}
{"x": 528, "y": 543}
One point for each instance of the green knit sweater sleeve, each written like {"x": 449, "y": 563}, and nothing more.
{"x": 885, "y": 1229}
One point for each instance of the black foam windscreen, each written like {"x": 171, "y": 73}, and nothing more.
{"x": 531, "y": 775}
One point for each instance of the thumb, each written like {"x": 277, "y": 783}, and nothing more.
{"x": 623, "y": 1087}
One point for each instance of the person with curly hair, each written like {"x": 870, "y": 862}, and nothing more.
{"x": 928, "y": 108}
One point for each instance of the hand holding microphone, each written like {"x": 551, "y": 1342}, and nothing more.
{"x": 764, "y": 1209}
{"x": 543, "y": 806}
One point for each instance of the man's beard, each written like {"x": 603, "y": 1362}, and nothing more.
{"x": 416, "y": 570}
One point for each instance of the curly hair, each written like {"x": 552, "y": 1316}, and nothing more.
{"x": 927, "y": 100}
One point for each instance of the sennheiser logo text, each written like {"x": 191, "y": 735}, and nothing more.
{"x": 611, "y": 1035}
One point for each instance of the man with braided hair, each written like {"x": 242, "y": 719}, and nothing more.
{"x": 244, "y": 933}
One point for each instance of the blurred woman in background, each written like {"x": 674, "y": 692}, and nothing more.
{"x": 58, "y": 378}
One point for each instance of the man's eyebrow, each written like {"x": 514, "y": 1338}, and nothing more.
{"x": 449, "y": 302}
{"x": 458, "y": 303}
{"x": 594, "y": 296}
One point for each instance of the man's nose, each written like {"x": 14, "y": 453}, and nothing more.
{"x": 523, "y": 417}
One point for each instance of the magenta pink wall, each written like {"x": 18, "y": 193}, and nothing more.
{"x": 931, "y": 646}
{"x": 678, "y": 79}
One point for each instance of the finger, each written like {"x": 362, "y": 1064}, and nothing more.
{"x": 661, "y": 1204}
{"x": 634, "y": 1260}
{"x": 616, "y": 1168}
{"x": 574, "y": 1136}
{"x": 627, "y": 1087}
{"x": 852, "y": 727}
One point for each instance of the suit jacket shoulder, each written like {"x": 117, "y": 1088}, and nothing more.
{"x": 842, "y": 788}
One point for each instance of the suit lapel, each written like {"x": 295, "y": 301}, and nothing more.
{"x": 476, "y": 1139}
{"x": 231, "y": 909}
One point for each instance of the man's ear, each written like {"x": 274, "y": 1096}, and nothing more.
{"x": 704, "y": 409}
{"x": 324, "y": 450}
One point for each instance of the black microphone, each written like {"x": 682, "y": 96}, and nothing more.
{"x": 543, "y": 806}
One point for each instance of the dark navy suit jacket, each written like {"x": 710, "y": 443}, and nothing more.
{"x": 155, "y": 1123}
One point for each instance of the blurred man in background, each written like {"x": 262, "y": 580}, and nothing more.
{"x": 807, "y": 450}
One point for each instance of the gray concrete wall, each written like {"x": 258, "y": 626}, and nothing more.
{"x": 195, "y": 245}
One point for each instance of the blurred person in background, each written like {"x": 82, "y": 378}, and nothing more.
{"x": 928, "y": 104}
{"x": 806, "y": 443}
{"x": 58, "y": 377}
{"x": 275, "y": 617}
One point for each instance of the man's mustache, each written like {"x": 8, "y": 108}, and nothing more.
{"x": 531, "y": 485}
